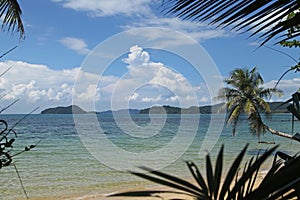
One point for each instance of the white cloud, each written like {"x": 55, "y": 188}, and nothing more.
{"x": 287, "y": 86}
{"x": 145, "y": 83}
{"x": 198, "y": 31}
{"x": 152, "y": 100}
{"x": 100, "y": 8}
{"x": 148, "y": 82}
{"x": 75, "y": 44}
{"x": 134, "y": 96}
{"x": 38, "y": 85}
{"x": 142, "y": 15}
{"x": 137, "y": 56}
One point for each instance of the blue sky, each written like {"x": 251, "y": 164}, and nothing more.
{"x": 60, "y": 34}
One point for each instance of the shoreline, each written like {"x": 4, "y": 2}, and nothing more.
{"x": 103, "y": 195}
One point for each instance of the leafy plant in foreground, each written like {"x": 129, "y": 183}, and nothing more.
{"x": 8, "y": 136}
{"x": 280, "y": 182}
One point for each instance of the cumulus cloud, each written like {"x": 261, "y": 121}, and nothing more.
{"x": 287, "y": 86}
{"x": 75, "y": 44}
{"x": 38, "y": 85}
{"x": 144, "y": 83}
{"x": 148, "y": 82}
{"x": 102, "y": 8}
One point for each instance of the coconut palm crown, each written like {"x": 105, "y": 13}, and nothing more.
{"x": 246, "y": 95}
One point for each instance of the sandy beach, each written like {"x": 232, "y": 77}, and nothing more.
{"x": 158, "y": 196}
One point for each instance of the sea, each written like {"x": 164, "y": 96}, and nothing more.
{"x": 90, "y": 156}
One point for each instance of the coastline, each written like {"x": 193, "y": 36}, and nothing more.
{"x": 104, "y": 195}
{"x": 62, "y": 168}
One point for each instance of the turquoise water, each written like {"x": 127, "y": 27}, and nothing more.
{"x": 60, "y": 167}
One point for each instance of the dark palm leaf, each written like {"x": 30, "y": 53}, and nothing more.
{"x": 281, "y": 180}
{"x": 250, "y": 172}
{"x": 198, "y": 177}
{"x": 232, "y": 172}
{"x": 11, "y": 12}
{"x": 175, "y": 183}
{"x": 209, "y": 174}
{"x": 265, "y": 17}
{"x": 173, "y": 179}
{"x": 218, "y": 173}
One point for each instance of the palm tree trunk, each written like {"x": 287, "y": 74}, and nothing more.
{"x": 280, "y": 133}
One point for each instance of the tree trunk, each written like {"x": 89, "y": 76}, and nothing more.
{"x": 280, "y": 133}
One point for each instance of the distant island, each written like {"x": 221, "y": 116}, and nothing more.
{"x": 73, "y": 109}
{"x": 122, "y": 111}
{"x": 275, "y": 107}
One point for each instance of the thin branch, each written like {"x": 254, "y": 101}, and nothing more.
{"x": 287, "y": 71}
{"x": 5, "y": 71}
{"x": 21, "y": 120}
{"x": 27, "y": 149}
{"x": 282, "y": 52}
{"x": 7, "y": 52}
{"x": 21, "y": 182}
{"x": 5, "y": 108}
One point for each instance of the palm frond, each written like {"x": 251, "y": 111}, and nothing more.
{"x": 280, "y": 180}
{"x": 233, "y": 116}
{"x": 251, "y": 170}
{"x": 268, "y": 19}
{"x": 210, "y": 176}
{"x": 198, "y": 177}
{"x": 10, "y": 12}
{"x": 263, "y": 105}
{"x": 172, "y": 182}
{"x": 218, "y": 173}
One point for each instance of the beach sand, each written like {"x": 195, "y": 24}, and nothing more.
{"x": 103, "y": 195}
{"x": 155, "y": 197}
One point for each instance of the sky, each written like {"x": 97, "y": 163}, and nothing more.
{"x": 117, "y": 54}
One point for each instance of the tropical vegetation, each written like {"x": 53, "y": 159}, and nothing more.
{"x": 10, "y": 15}
{"x": 247, "y": 96}
{"x": 268, "y": 19}
{"x": 280, "y": 182}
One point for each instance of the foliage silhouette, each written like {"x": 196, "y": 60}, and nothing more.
{"x": 267, "y": 18}
{"x": 8, "y": 136}
{"x": 280, "y": 182}
{"x": 10, "y": 12}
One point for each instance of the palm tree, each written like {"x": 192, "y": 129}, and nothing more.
{"x": 269, "y": 18}
{"x": 10, "y": 15}
{"x": 247, "y": 96}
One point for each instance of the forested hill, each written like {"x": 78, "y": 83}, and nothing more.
{"x": 73, "y": 109}
{"x": 203, "y": 109}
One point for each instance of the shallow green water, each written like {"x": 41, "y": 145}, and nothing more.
{"x": 61, "y": 167}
